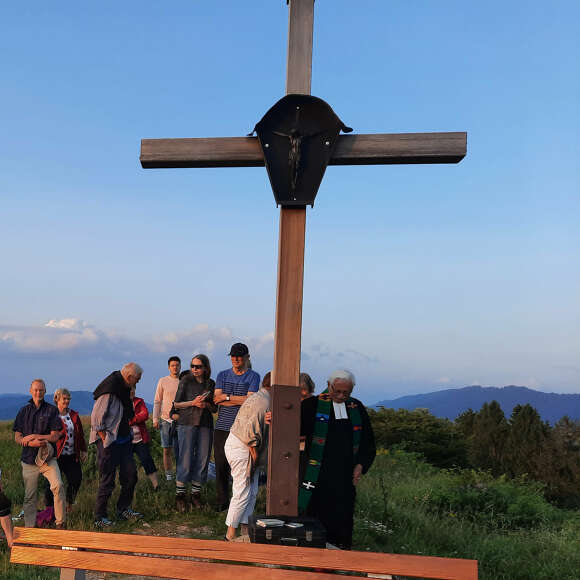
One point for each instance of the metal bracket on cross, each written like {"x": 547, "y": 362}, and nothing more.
{"x": 297, "y": 136}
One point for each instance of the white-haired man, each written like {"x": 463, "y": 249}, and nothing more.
{"x": 340, "y": 448}
{"x": 110, "y": 430}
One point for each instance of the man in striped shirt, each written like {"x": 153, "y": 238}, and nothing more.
{"x": 231, "y": 390}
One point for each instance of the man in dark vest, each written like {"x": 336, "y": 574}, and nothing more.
{"x": 340, "y": 448}
{"x": 110, "y": 430}
{"x": 37, "y": 427}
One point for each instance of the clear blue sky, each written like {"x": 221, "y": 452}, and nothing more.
{"x": 417, "y": 278}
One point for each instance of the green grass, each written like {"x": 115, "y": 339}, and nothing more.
{"x": 399, "y": 510}
{"x": 404, "y": 506}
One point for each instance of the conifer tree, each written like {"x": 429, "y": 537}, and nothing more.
{"x": 562, "y": 473}
{"x": 526, "y": 443}
{"x": 490, "y": 430}
{"x": 465, "y": 422}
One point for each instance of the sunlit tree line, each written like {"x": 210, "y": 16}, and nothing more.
{"x": 519, "y": 446}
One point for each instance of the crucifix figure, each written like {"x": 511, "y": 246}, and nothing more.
{"x": 370, "y": 149}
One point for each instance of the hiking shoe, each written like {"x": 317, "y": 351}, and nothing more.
{"x": 196, "y": 500}
{"x": 129, "y": 514}
{"x": 103, "y": 523}
{"x": 181, "y": 503}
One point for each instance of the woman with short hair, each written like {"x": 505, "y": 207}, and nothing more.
{"x": 71, "y": 449}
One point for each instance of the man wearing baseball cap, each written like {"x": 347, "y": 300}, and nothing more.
{"x": 231, "y": 390}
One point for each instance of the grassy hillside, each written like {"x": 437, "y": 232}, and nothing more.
{"x": 404, "y": 506}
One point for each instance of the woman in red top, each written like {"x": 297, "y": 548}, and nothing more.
{"x": 141, "y": 438}
{"x": 71, "y": 449}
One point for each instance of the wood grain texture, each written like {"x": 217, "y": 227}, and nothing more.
{"x": 365, "y": 149}
{"x": 288, "y": 324}
{"x": 368, "y": 562}
{"x": 158, "y": 567}
{"x": 284, "y": 451}
{"x": 299, "y": 59}
{"x": 72, "y": 574}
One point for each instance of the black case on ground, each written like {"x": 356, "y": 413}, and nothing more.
{"x": 312, "y": 534}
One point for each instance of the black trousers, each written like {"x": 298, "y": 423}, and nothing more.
{"x": 222, "y": 467}
{"x": 5, "y": 504}
{"x": 108, "y": 460}
{"x": 143, "y": 452}
{"x": 70, "y": 467}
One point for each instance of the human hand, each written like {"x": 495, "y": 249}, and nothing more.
{"x": 254, "y": 455}
{"x": 268, "y": 418}
{"x": 35, "y": 442}
{"x": 197, "y": 402}
{"x": 156, "y": 423}
{"x": 356, "y": 474}
{"x": 217, "y": 399}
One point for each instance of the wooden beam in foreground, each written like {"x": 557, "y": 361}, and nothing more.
{"x": 43, "y": 547}
{"x": 368, "y": 149}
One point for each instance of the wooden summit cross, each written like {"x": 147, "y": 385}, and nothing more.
{"x": 371, "y": 149}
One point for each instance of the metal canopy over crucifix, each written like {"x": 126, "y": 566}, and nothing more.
{"x": 370, "y": 149}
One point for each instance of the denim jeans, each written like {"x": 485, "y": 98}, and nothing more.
{"x": 194, "y": 451}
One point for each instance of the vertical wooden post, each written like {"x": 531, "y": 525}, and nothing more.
{"x": 72, "y": 574}
{"x": 300, "y": 33}
{"x": 283, "y": 453}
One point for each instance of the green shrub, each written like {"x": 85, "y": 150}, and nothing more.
{"x": 496, "y": 503}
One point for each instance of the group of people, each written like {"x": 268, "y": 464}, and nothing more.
{"x": 338, "y": 443}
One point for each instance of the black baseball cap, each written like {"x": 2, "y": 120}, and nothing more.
{"x": 239, "y": 349}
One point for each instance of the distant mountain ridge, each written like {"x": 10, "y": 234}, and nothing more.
{"x": 81, "y": 401}
{"x": 451, "y": 402}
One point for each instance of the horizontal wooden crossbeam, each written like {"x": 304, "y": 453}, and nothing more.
{"x": 366, "y": 149}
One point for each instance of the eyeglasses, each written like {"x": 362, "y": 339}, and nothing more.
{"x": 197, "y": 367}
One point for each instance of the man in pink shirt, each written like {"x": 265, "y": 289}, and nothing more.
{"x": 164, "y": 397}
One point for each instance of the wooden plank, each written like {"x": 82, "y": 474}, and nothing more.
{"x": 400, "y": 148}
{"x": 72, "y": 574}
{"x": 282, "y": 497}
{"x": 284, "y": 451}
{"x": 147, "y": 566}
{"x": 299, "y": 60}
{"x": 287, "y": 338}
{"x": 365, "y": 149}
{"x": 369, "y": 562}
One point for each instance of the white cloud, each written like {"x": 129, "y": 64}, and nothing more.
{"x": 67, "y": 323}
{"x": 72, "y": 334}
{"x": 54, "y": 336}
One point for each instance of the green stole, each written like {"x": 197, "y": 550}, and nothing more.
{"x": 323, "y": 410}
